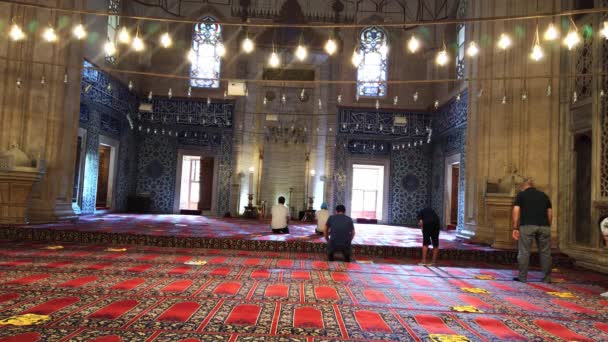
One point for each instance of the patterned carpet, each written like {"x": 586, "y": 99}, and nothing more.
{"x": 254, "y": 230}
{"x": 139, "y": 293}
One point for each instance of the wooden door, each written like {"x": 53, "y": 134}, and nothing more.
{"x": 454, "y": 193}
{"x": 206, "y": 184}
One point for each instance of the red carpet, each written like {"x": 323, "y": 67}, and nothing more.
{"x": 149, "y": 294}
{"x": 203, "y": 227}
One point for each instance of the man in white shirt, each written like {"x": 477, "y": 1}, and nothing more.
{"x": 322, "y": 216}
{"x": 280, "y": 217}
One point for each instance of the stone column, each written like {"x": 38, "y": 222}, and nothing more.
{"x": 521, "y": 135}
{"x": 42, "y": 119}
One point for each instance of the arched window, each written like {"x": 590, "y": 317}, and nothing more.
{"x": 112, "y": 25}
{"x": 206, "y": 45}
{"x": 460, "y": 38}
{"x": 371, "y": 73}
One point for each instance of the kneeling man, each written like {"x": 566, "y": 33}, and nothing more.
{"x": 339, "y": 233}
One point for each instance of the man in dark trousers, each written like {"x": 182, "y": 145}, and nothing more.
{"x": 532, "y": 216}
{"x": 339, "y": 233}
{"x": 429, "y": 222}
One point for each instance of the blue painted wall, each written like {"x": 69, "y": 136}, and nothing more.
{"x": 449, "y": 138}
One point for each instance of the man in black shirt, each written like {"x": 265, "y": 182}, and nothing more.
{"x": 339, "y": 233}
{"x": 429, "y": 221}
{"x": 532, "y": 216}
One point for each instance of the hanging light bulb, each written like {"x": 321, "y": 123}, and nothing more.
{"x": 551, "y": 33}
{"x": 415, "y": 97}
{"x": 273, "y": 60}
{"x": 123, "y": 36}
{"x": 357, "y": 97}
{"x": 264, "y": 101}
{"x": 537, "y": 51}
{"x": 130, "y": 85}
{"x": 331, "y": 46}
{"x": 109, "y": 87}
{"x": 49, "y": 34}
{"x": 442, "y": 57}
{"x": 79, "y": 32}
{"x": 301, "y": 53}
{"x": 109, "y": 48}
{"x": 42, "y": 80}
{"x": 574, "y": 97}
{"x": 170, "y": 93}
{"x": 283, "y": 98}
{"x": 225, "y": 93}
{"x": 65, "y": 78}
{"x": 504, "y": 99}
{"x": 191, "y": 56}
{"x": 602, "y": 93}
{"x": 395, "y": 100}
{"x": 208, "y": 101}
{"x": 340, "y": 99}
{"x": 524, "y": 95}
{"x": 150, "y": 96}
{"x": 165, "y": 40}
{"x": 413, "y": 44}
{"x": 458, "y": 97}
{"x": 436, "y": 105}
{"x": 573, "y": 38}
{"x": 604, "y": 30}
{"x": 16, "y": 33}
{"x": 377, "y": 104}
{"x": 247, "y": 45}
{"x": 138, "y": 43}
{"x": 18, "y": 82}
{"x": 320, "y": 104}
{"x": 220, "y": 49}
{"x": 356, "y": 59}
{"x": 504, "y": 42}
{"x": 189, "y": 91}
{"x": 472, "y": 49}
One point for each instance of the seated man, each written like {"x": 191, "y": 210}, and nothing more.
{"x": 322, "y": 216}
{"x": 280, "y": 217}
{"x": 339, "y": 233}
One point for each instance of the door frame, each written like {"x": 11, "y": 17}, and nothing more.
{"x": 447, "y": 193}
{"x": 386, "y": 163}
{"x": 114, "y": 146}
{"x": 178, "y": 178}
{"x": 82, "y": 133}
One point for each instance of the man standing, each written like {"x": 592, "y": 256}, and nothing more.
{"x": 280, "y": 217}
{"x": 339, "y": 233}
{"x": 532, "y": 216}
{"x": 429, "y": 222}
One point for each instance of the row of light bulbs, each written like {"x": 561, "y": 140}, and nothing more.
{"x": 571, "y": 40}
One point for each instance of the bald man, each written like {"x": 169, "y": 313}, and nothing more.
{"x": 532, "y": 216}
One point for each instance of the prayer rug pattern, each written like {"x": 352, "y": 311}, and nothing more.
{"x": 147, "y": 293}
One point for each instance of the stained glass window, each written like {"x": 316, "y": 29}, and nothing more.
{"x": 460, "y": 54}
{"x": 371, "y": 73}
{"x": 205, "y": 65}
{"x": 112, "y": 25}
